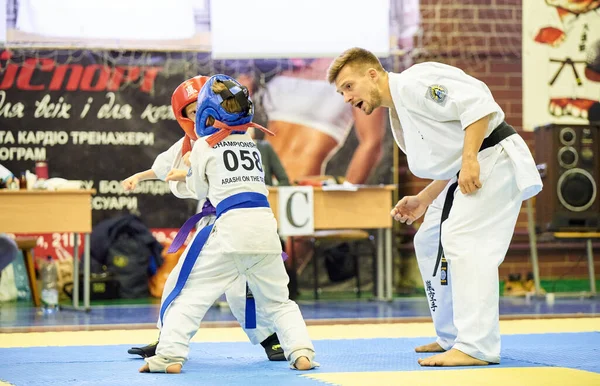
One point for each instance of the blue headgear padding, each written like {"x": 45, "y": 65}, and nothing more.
{"x": 209, "y": 105}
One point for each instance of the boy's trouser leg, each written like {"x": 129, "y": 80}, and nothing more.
{"x": 268, "y": 282}
{"x": 236, "y": 297}
{"x": 211, "y": 275}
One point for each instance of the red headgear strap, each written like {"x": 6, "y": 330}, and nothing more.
{"x": 225, "y": 130}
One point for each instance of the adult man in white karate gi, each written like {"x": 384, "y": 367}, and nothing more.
{"x": 453, "y": 132}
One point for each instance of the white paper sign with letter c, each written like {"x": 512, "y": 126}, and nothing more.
{"x": 296, "y": 211}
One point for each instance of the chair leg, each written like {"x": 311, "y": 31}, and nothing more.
{"x": 374, "y": 261}
{"x": 315, "y": 270}
{"x": 357, "y": 270}
{"x": 29, "y": 265}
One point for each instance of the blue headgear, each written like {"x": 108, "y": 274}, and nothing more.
{"x": 209, "y": 105}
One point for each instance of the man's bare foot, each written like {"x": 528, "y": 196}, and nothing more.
{"x": 452, "y": 357}
{"x": 302, "y": 363}
{"x": 431, "y": 347}
{"x": 173, "y": 369}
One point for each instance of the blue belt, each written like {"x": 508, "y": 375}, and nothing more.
{"x": 237, "y": 201}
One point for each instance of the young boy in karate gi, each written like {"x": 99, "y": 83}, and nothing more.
{"x": 173, "y": 163}
{"x": 227, "y": 169}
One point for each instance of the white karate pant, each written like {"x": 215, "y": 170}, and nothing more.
{"x": 215, "y": 273}
{"x": 475, "y": 238}
{"x": 236, "y": 298}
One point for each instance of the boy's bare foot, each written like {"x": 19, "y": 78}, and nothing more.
{"x": 431, "y": 347}
{"x": 172, "y": 369}
{"x": 302, "y": 363}
{"x": 452, "y": 357}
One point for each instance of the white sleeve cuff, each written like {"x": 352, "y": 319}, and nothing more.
{"x": 479, "y": 111}
{"x": 180, "y": 189}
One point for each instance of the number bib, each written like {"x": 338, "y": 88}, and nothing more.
{"x": 238, "y": 162}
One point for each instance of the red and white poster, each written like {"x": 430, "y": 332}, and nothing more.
{"x": 561, "y": 62}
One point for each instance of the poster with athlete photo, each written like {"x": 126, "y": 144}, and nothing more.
{"x": 101, "y": 116}
{"x": 561, "y": 62}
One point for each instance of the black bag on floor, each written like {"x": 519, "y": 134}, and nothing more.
{"x": 340, "y": 262}
{"x": 126, "y": 247}
{"x": 103, "y": 286}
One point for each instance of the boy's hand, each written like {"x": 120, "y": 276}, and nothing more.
{"x": 130, "y": 183}
{"x": 176, "y": 175}
{"x": 186, "y": 159}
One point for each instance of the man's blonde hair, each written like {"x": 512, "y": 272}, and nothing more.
{"x": 230, "y": 105}
{"x": 356, "y": 57}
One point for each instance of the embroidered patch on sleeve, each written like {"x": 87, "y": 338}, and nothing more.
{"x": 437, "y": 93}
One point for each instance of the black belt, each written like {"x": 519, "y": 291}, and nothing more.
{"x": 500, "y": 133}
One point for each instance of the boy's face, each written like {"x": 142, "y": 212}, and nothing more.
{"x": 190, "y": 111}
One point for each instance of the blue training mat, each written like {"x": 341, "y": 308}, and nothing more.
{"x": 244, "y": 364}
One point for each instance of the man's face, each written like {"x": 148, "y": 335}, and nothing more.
{"x": 190, "y": 111}
{"x": 359, "y": 88}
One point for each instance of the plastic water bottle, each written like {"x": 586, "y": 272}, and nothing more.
{"x": 49, "y": 286}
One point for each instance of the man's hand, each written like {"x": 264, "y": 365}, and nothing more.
{"x": 409, "y": 209}
{"x": 468, "y": 178}
{"x": 186, "y": 159}
{"x": 130, "y": 183}
{"x": 176, "y": 175}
